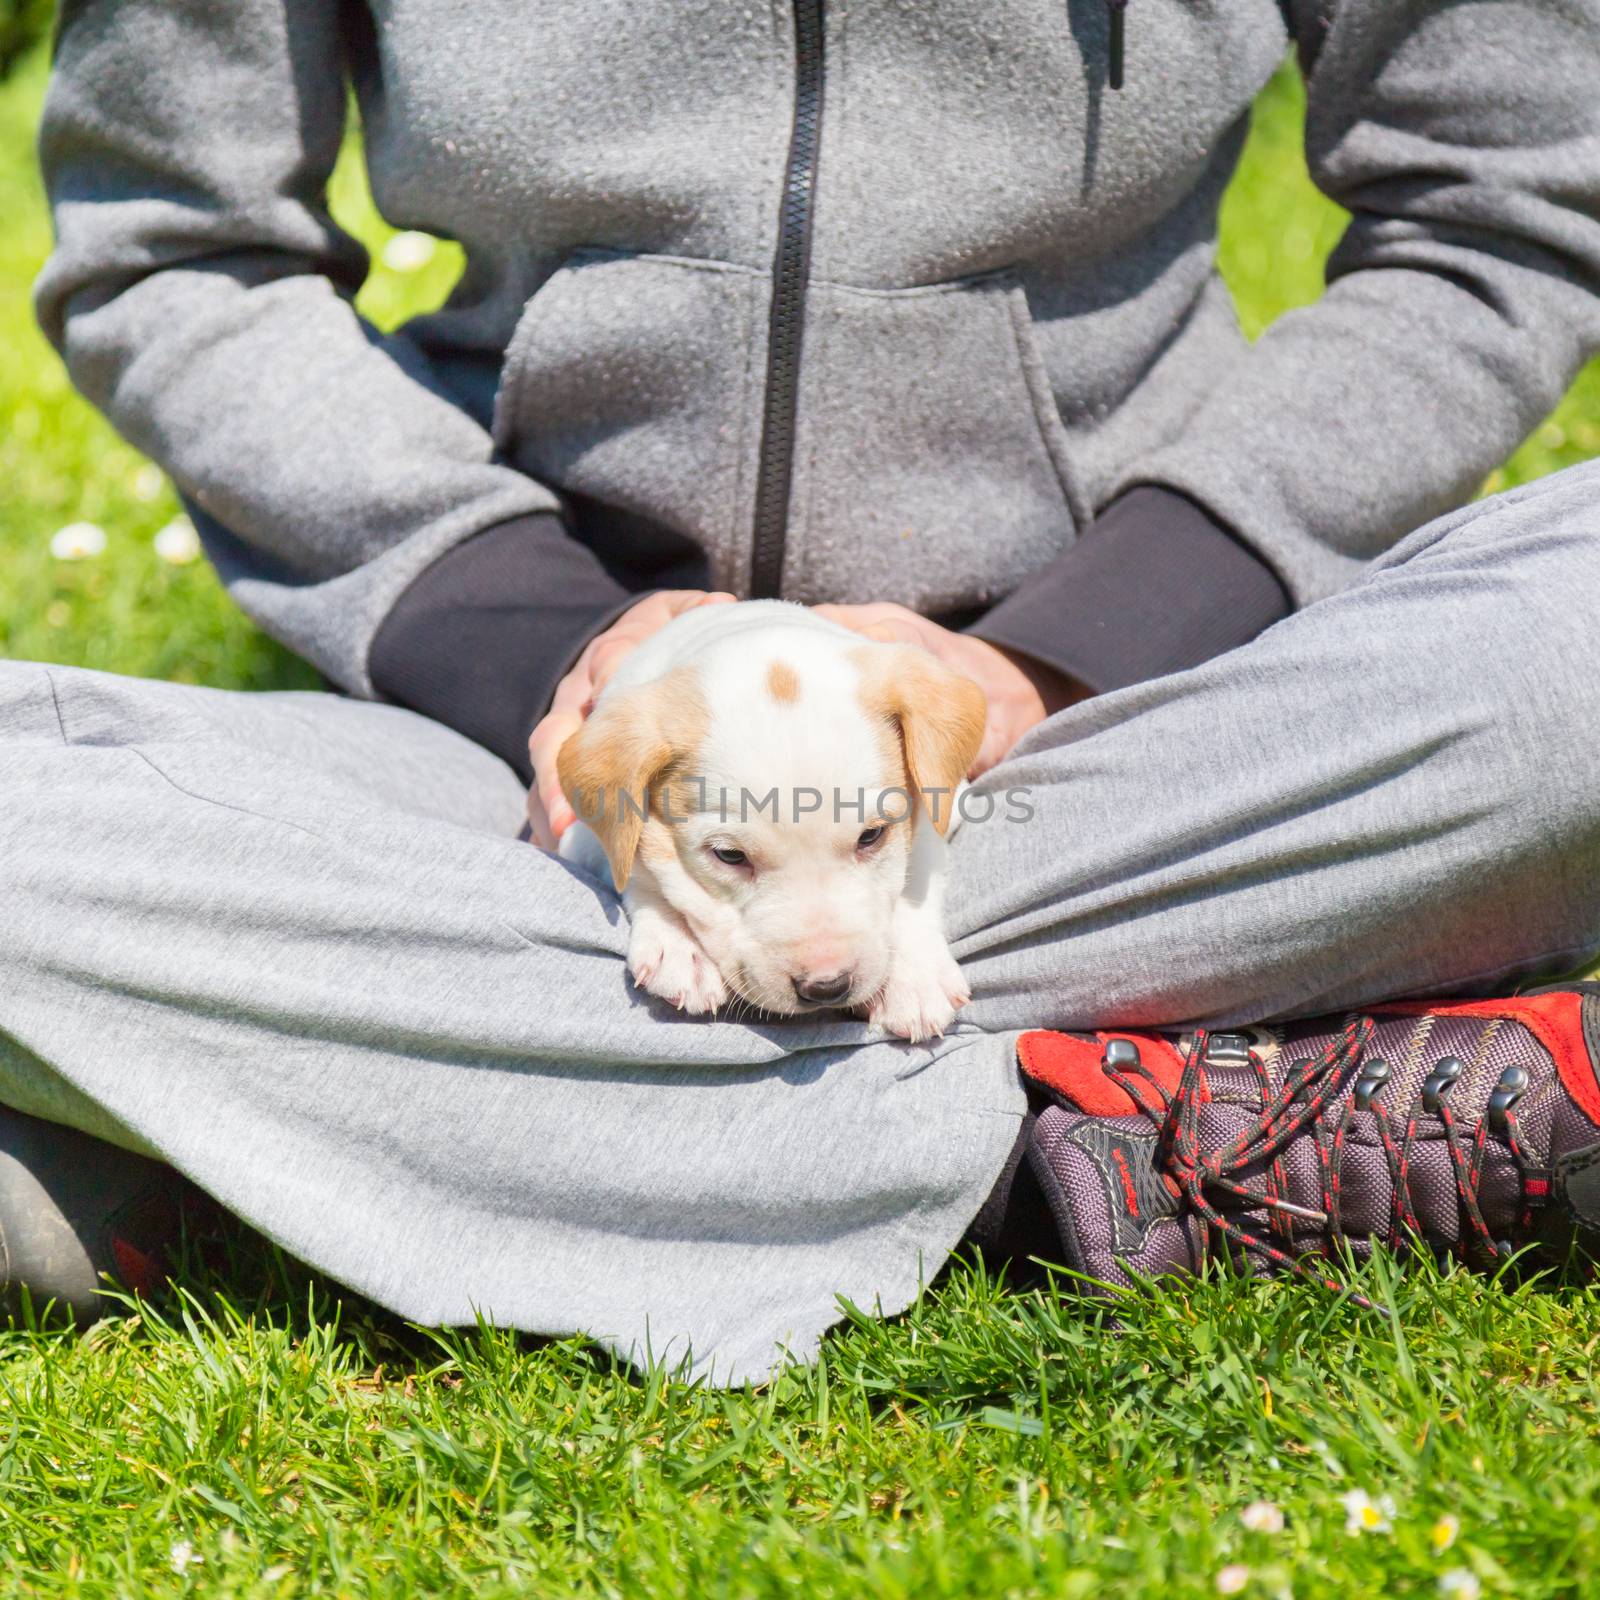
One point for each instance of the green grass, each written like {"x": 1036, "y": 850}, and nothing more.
{"x": 987, "y": 1443}
{"x": 990, "y": 1442}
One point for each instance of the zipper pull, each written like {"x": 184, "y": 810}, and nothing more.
{"x": 1116, "y": 10}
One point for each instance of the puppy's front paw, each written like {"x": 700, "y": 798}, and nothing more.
{"x": 666, "y": 960}
{"x": 923, "y": 994}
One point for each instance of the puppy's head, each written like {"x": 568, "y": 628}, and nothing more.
{"x": 783, "y": 786}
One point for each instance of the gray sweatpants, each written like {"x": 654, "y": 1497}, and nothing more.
{"x": 290, "y": 943}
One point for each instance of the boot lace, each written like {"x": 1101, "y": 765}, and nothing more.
{"x": 1312, "y": 1100}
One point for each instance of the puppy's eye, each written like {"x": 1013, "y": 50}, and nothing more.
{"x": 729, "y": 857}
{"x": 870, "y": 837}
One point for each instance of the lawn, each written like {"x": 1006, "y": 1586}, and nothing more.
{"x": 264, "y": 1435}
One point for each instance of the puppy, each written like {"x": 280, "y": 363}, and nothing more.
{"x": 771, "y": 793}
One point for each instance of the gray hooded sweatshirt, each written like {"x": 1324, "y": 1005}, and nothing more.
{"x": 831, "y": 299}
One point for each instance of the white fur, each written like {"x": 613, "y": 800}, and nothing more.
{"x": 810, "y": 904}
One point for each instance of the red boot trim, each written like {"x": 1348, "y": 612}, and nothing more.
{"x": 1555, "y": 1020}
{"x": 137, "y": 1270}
{"x": 1072, "y": 1068}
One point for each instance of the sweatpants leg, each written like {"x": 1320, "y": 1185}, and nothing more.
{"x": 291, "y": 945}
{"x": 1394, "y": 792}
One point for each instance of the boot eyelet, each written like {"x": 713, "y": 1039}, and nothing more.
{"x": 1512, "y": 1086}
{"x": 1445, "y": 1072}
{"x": 1374, "y": 1074}
{"x": 1120, "y": 1054}
{"x": 1227, "y": 1050}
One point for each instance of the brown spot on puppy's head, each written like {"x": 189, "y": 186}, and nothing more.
{"x": 613, "y": 766}
{"x": 939, "y": 715}
{"x": 783, "y": 683}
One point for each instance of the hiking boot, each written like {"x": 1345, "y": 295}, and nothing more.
{"x": 73, "y": 1208}
{"x": 1468, "y": 1128}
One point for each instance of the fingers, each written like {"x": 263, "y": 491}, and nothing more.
{"x": 545, "y": 799}
{"x": 673, "y": 603}
{"x": 885, "y": 622}
{"x": 605, "y": 655}
{"x": 990, "y": 752}
{"x": 548, "y": 810}
{"x": 539, "y": 829}
{"x": 891, "y": 630}
{"x": 853, "y": 617}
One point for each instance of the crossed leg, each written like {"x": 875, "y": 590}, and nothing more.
{"x": 291, "y": 944}
{"x": 1394, "y": 792}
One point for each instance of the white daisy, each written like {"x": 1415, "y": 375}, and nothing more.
{"x": 1460, "y": 1584}
{"x": 1262, "y": 1516}
{"x": 78, "y": 541}
{"x": 1363, "y": 1514}
{"x": 1231, "y": 1579}
{"x": 177, "y": 544}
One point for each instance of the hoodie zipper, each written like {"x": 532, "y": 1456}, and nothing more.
{"x": 1116, "y": 20}
{"x": 791, "y": 273}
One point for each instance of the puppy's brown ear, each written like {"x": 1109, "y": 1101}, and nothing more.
{"x": 610, "y": 768}
{"x": 940, "y": 714}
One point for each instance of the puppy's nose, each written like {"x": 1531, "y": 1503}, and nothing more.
{"x": 827, "y": 990}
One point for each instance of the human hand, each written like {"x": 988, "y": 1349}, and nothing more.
{"x": 549, "y": 814}
{"x": 1021, "y": 692}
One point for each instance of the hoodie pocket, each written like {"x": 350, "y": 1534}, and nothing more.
{"x": 634, "y": 379}
{"x": 931, "y": 462}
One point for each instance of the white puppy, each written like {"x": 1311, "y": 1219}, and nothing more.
{"x": 771, "y": 794}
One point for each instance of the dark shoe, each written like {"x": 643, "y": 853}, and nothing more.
{"x": 73, "y": 1208}
{"x": 1471, "y": 1128}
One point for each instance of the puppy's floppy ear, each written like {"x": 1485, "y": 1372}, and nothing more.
{"x": 939, "y": 713}
{"x": 610, "y": 767}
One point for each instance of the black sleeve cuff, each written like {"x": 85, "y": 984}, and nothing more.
{"x": 480, "y": 639}
{"x": 1155, "y": 585}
